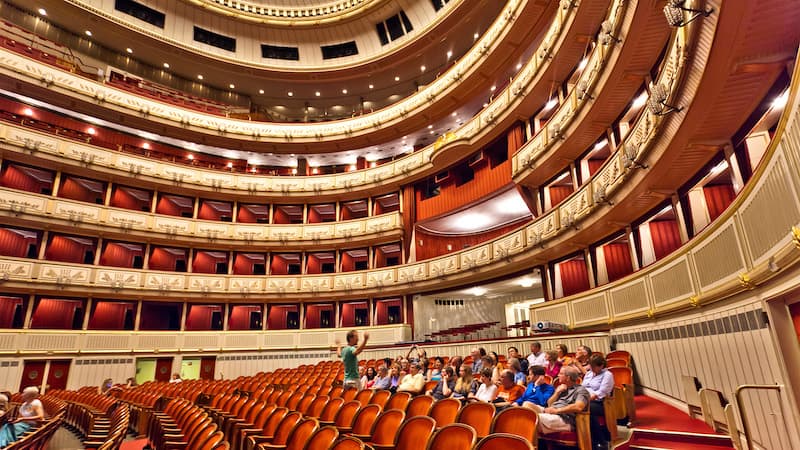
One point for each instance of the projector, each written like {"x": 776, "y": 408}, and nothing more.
{"x": 547, "y": 326}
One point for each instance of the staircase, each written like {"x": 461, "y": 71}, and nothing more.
{"x": 674, "y": 440}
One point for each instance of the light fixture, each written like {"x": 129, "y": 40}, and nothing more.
{"x": 146, "y": 146}
{"x": 190, "y": 157}
{"x": 260, "y": 91}
{"x": 430, "y": 126}
{"x": 91, "y": 131}
{"x": 28, "y": 112}
{"x": 449, "y": 54}
{"x": 493, "y": 88}
{"x": 352, "y": 167}
{"x": 550, "y": 104}
{"x": 371, "y": 86}
{"x": 229, "y": 165}
{"x": 606, "y": 37}
{"x": 317, "y": 93}
{"x": 477, "y": 291}
{"x": 294, "y": 171}
{"x": 674, "y": 12}
{"x": 657, "y": 103}
{"x": 88, "y": 33}
{"x": 781, "y": 100}
{"x": 640, "y": 101}
{"x": 396, "y": 78}
{"x": 166, "y": 65}
{"x": 430, "y": 132}
{"x": 42, "y": 12}
{"x": 475, "y": 36}
{"x": 519, "y": 66}
{"x": 129, "y": 50}
{"x": 344, "y": 91}
{"x": 629, "y": 153}
{"x": 199, "y": 77}
{"x": 583, "y": 63}
{"x": 454, "y": 114}
{"x": 232, "y": 86}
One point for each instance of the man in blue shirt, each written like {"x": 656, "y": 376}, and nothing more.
{"x": 349, "y": 354}
{"x": 538, "y": 391}
{"x": 599, "y": 381}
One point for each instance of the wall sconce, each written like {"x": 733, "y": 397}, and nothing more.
{"x": 629, "y": 154}
{"x": 657, "y": 103}
{"x": 674, "y": 13}
{"x": 605, "y": 36}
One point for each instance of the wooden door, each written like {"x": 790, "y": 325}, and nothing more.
{"x": 32, "y": 374}
{"x": 207, "y": 364}
{"x": 57, "y": 375}
{"x": 163, "y": 369}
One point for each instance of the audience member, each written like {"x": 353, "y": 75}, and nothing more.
{"x": 414, "y": 382}
{"x": 538, "y": 391}
{"x": 455, "y": 363}
{"x": 513, "y": 353}
{"x": 514, "y": 365}
{"x": 176, "y": 378}
{"x": 487, "y": 391}
{"x": 509, "y": 391}
{"x": 563, "y": 356}
{"x": 464, "y": 383}
{"x": 582, "y": 355}
{"x": 370, "y": 374}
{"x": 105, "y": 386}
{"x": 3, "y": 405}
{"x": 477, "y": 364}
{"x": 553, "y": 365}
{"x": 382, "y": 379}
{"x": 29, "y": 413}
{"x": 568, "y": 399}
{"x": 349, "y": 354}
{"x": 130, "y": 382}
{"x": 445, "y": 387}
{"x": 395, "y": 378}
{"x": 599, "y": 382}
{"x": 435, "y": 374}
{"x": 536, "y": 358}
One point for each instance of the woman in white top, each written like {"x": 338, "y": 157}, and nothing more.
{"x": 487, "y": 391}
{"x": 29, "y": 413}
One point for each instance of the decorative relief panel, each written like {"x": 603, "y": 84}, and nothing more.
{"x": 18, "y": 202}
{"x": 475, "y": 257}
{"x": 282, "y": 285}
{"x": 117, "y": 279}
{"x": 443, "y": 266}
{"x": 205, "y": 283}
{"x": 10, "y": 269}
{"x": 76, "y": 211}
{"x": 630, "y": 298}
{"x": 411, "y": 273}
{"x": 381, "y": 278}
{"x": 164, "y": 282}
{"x": 171, "y": 225}
{"x": 318, "y": 232}
{"x": 672, "y": 282}
{"x": 246, "y": 285}
{"x": 316, "y": 284}
{"x": 348, "y": 282}
{"x": 64, "y": 275}
{"x": 127, "y": 221}
{"x": 509, "y": 245}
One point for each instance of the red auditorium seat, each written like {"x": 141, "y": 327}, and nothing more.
{"x": 455, "y": 436}
{"x": 503, "y": 441}
{"x": 479, "y": 416}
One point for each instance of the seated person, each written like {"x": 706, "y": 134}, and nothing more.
{"x": 445, "y": 387}
{"x": 553, "y": 366}
{"x": 463, "y": 383}
{"x": 382, "y": 380}
{"x": 538, "y": 391}
{"x": 516, "y": 367}
{"x": 599, "y": 381}
{"x": 563, "y": 355}
{"x": 105, "y": 386}
{"x": 509, "y": 391}
{"x": 30, "y": 412}
{"x": 414, "y": 382}
{"x": 582, "y": 356}
{"x": 487, "y": 391}
{"x": 435, "y": 374}
{"x": 568, "y": 399}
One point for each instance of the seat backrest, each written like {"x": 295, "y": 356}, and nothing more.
{"x": 386, "y": 427}
{"x": 733, "y": 427}
{"x": 479, "y": 416}
{"x": 350, "y": 394}
{"x": 322, "y": 439}
{"x": 364, "y": 396}
{"x": 518, "y": 421}
{"x": 503, "y": 441}
{"x": 380, "y": 398}
{"x": 264, "y": 411}
{"x": 273, "y": 421}
{"x": 690, "y": 390}
{"x": 211, "y": 442}
{"x": 362, "y": 424}
{"x": 301, "y": 433}
{"x": 346, "y": 414}
{"x": 328, "y": 413}
{"x": 455, "y": 436}
{"x": 414, "y": 433}
{"x": 284, "y": 430}
{"x": 316, "y": 406}
{"x": 619, "y": 354}
{"x": 622, "y": 375}
{"x": 336, "y": 392}
{"x": 283, "y": 398}
{"x": 294, "y": 400}
{"x": 419, "y": 406}
{"x": 616, "y": 362}
{"x": 445, "y": 411}
{"x": 305, "y": 403}
{"x": 347, "y": 443}
{"x": 398, "y": 401}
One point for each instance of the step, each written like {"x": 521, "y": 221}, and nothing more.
{"x": 664, "y": 440}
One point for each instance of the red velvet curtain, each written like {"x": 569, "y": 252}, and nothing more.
{"x": 313, "y": 315}
{"x": 718, "y": 197}
{"x": 13, "y": 243}
{"x": 278, "y": 316}
{"x": 199, "y": 317}
{"x": 279, "y": 266}
{"x": 68, "y": 249}
{"x": 594, "y": 165}
{"x": 574, "y": 277}
{"x": 349, "y": 313}
{"x": 515, "y": 139}
{"x": 156, "y": 316}
{"x": 8, "y": 306}
{"x": 17, "y": 177}
{"x": 243, "y": 262}
{"x": 54, "y": 314}
{"x": 122, "y": 197}
{"x": 161, "y": 259}
{"x": 618, "y": 260}
{"x": 240, "y": 316}
{"x": 313, "y": 265}
{"x": 666, "y": 237}
{"x": 205, "y": 262}
{"x": 109, "y": 316}
{"x": 382, "y": 310}
{"x": 118, "y": 255}
{"x": 251, "y": 213}
{"x": 558, "y": 194}
{"x": 78, "y": 189}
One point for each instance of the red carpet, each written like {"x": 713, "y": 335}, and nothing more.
{"x": 652, "y": 414}
{"x": 136, "y": 444}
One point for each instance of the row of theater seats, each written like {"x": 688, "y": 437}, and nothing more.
{"x": 167, "y": 95}
{"x": 464, "y": 331}
{"x": 37, "y": 438}
{"x": 101, "y": 421}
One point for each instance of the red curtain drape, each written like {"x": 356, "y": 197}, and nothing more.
{"x": 277, "y": 316}
{"x": 618, "y": 260}
{"x": 251, "y": 213}
{"x": 313, "y": 313}
{"x": 279, "y": 266}
{"x": 68, "y": 249}
{"x": 26, "y": 179}
{"x": 243, "y": 262}
{"x": 206, "y": 262}
{"x": 109, "y": 315}
{"x": 157, "y": 316}
{"x": 240, "y": 316}
{"x": 313, "y": 265}
{"x": 16, "y": 242}
{"x": 123, "y": 197}
{"x": 118, "y": 255}
{"x": 161, "y": 259}
{"x": 382, "y": 310}
{"x": 349, "y": 313}
{"x": 559, "y": 193}
{"x": 718, "y": 197}
{"x": 515, "y": 139}
{"x": 82, "y": 190}
{"x": 666, "y": 237}
{"x": 574, "y": 277}
{"x": 8, "y": 306}
{"x": 594, "y": 165}
{"x": 199, "y": 317}
{"x": 54, "y": 314}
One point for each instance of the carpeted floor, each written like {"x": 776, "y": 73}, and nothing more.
{"x": 655, "y": 415}
{"x": 133, "y": 444}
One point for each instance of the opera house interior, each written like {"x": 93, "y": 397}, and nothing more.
{"x": 219, "y": 192}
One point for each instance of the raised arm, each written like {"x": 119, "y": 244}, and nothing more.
{"x": 363, "y": 343}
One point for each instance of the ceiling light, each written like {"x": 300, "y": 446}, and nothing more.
{"x": 396, "y": 78}
{"x": 91, "y": 131}
{"x": 430, "y": 126}
{"x": 430, "y": 132}
{"x": 371, "y": 86}
{"x": 449, "y": 54}
{"x": 229, "y": 165}
{"x": 454, "y": 114}
{"x": 493, "y": 88}
{"x": 475, "y": 36}
{"x": 166, "y": 65}
{"x": 199, "y": 77}
{"x": 422, "y": 68}
{"x": 344, "y": 91}
{"x": 639, "y": 101}
{"x": 28, "y": 112}
{"x": 42, "y": 12}
{"x": 352, "y": 167}
{"x": 781, "y": 100}
{"x": 146, "y": 146}
{"x": 485, "y": 105}
{"x": 294, "y": 171}
{"x": 88, "y": 33}
{"x": 526, "y": 282}
{"x": 190, "y": 157}
{"x": 583, "y": 63}
{"x": 477, "y": 291}
{"x": 232, "y": 86}
{"x": 519, "y": 66}
{"x": 129, "y": 50}
{"x": 260, "y": 91}
{"x": 550, "y": 104}
{"x": 317, "y": 93}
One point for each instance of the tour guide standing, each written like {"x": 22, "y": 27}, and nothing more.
{"x": 349, "y": 354}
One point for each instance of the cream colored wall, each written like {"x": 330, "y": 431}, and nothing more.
{"x": 190, "y": 368}
{"x": 145, "y": 370}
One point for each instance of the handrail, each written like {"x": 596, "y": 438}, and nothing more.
{"x": 740, "y": 407}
